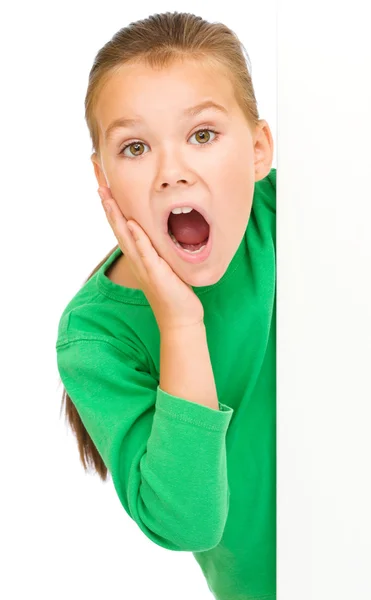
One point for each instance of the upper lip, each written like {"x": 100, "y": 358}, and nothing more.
{"x": 181, "y": 204}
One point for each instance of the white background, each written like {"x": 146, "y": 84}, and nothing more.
{"x": 64, "y": 534}
{"x": 324, "y": 300}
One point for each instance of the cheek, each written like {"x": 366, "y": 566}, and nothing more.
{"x": 232, "y": 176}
{"x": 235, "y": 182}
{"x": 240, "y": 171}
{"x": 128, "y": 191}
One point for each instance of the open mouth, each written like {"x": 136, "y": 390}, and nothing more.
{"x": 189, "y": 230}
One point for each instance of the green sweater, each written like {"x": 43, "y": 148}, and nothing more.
{"x": 193, "y": 478}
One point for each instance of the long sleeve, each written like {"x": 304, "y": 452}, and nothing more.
{"x": 166, "y": 455}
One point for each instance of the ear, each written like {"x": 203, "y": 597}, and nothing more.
{"x": 98, "y": 171}
{"x": 263, "y": 150}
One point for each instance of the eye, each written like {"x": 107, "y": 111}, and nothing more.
{"x": 201, "y": 133}
{"x": 133, "y": 145}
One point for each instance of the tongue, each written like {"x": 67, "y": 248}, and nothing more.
{"x": 189, "y": 229}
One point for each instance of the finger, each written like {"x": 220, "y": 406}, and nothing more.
{"x": 116, "y": 219}
{"x": 122, "y": 233}
{"x": 117, "y": 225}
{"x": 148, "y": 254}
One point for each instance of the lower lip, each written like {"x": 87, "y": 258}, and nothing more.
{"x": 193, "y": 258}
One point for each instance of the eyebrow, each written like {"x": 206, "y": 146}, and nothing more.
{"x": 192, "y": 111}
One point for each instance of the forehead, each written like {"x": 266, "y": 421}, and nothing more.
{"x": 139, "y": 90}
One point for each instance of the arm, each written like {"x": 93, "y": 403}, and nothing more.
{"x": 185, "y": 366}
{"x": 167, "y": 455}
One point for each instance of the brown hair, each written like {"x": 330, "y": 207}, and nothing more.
{"x": 158, "y": 41}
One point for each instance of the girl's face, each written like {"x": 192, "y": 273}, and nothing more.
{"x": 167, "y": 163}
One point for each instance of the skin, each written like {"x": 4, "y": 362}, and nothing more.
{"x": 170, "y": 165}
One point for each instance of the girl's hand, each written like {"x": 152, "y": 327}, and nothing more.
{"x": 173, "y": 301}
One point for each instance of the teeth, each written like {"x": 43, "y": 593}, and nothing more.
{"x": 182, "y": 209}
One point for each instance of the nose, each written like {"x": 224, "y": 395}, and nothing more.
{"x": 172, "y": 171}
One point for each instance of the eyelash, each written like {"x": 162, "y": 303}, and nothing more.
{"x": 216, "y": 138}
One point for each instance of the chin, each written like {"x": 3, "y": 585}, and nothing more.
{"x": 204, "y": 279}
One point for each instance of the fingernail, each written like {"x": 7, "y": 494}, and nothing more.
{"x": 100, "y": 194}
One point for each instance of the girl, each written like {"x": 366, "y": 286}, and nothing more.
{"x": 167, "y": 352}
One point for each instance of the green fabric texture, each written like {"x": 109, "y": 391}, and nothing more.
{"x": 194, "y": 479}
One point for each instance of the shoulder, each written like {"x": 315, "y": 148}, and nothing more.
{"x": 263, "y": 213}
{"x": 265, "y": 189}
{"x": 272, "y": 175}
